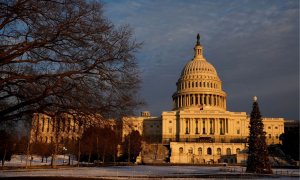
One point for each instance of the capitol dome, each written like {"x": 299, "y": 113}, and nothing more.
{"x": 199, "y": 85}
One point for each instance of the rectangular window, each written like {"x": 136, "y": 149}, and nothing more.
{"x": 48, "y": 124}
{"x": 196, "y": 130}
{"x": 170, "y": 130}
{"x": 187, "y": 127}
{"x": 211, "y": 129}
{"x": 203, "y": 127}
{"x": 53, "y": 125}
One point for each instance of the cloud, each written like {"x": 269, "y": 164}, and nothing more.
{"x": 254, "y": 46}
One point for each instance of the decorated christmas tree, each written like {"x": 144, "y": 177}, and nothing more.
{"x": 258, "y": 161}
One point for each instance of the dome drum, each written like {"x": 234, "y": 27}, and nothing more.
{"x": 215, "y": 101}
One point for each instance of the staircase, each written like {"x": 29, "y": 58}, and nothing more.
{"x": 154, "y": 153}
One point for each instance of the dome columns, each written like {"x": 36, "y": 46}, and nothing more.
{"x": 197, "y": 99}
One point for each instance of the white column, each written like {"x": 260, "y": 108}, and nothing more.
{"x": 213, "y": 125}
{"x": 200, "y": 121}
{"x": 207, "y": 126}
{"x": 217, "y": 126}
{"x": 194, "y": 99}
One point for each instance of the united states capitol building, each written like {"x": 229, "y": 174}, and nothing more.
{"x": 199, "y": 128}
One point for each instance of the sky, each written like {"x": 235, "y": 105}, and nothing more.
{"x": 253, "y": 44}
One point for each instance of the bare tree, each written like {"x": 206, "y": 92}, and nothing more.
{"x": 64, "y": 57}
{"x": 7, "y": 141}
{"x": 99, "y": 143}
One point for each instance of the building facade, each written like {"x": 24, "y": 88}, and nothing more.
{"x": 62, "y": 129}
{"x": 200, "y": 129}
{"x": 148, "y": 126}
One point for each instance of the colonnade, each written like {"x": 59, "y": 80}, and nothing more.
{"x": 204, "y": 126}
{"x": 187, "y": 100}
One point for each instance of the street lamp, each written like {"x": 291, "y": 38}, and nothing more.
{"x": 64, "y": 151}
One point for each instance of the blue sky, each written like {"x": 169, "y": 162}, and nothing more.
{"x": 253, "y": 44}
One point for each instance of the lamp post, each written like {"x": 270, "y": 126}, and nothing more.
{"x": 64, "y": 151}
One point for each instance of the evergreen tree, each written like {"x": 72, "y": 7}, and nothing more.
{"x": 258, "y": 161}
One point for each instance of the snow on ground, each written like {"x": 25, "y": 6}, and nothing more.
{"x": 20, "y": 160}
{"x": 142, "y": 171}
{"x": 117, "y": 172}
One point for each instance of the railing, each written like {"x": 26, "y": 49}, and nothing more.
{"x": 207, "y": 140}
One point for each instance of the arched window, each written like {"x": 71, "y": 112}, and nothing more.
{"x": 209, "y": 151}
{"x": 228, "y": 151}
{"x": 200, "y": 84}
{"x": 190, "y": 151}
{"x": 192, "y": 84}
{"x": 196, "y": 84}
{"x": 199, "y": 151}
{"x": 219, "y": 151}
{"x": 181, "y": 150}
{"x": 238, "y": 150}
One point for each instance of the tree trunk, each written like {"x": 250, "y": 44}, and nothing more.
{"x": 4, "y": 156}
{"x": 98, "y": 155}
{"x": 42, "y": 159}
{"x": 53, "y": 160}
{"x": 78, "y": 153}
{"x": 47, "y": 159}
{"x": 27, "y": 153}
{"x": 129, "y": 149}
{"x": 69, "y": 163}
{"x": 89, "y": 160}
{"x": 31, "y": 159}
{"x": 103, "y": 155}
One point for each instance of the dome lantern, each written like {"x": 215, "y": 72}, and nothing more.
{"x": 198, "y": 49}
